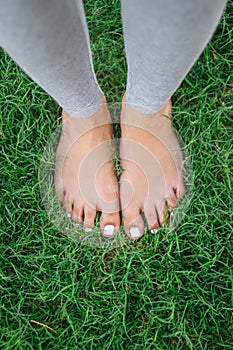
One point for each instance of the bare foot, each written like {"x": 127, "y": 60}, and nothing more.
{"x": 151, "y": 159}
{"x": 84, "y": 177}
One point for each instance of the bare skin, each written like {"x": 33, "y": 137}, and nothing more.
{"x": 150, "y": 156}
{"x": 84, "y": 177}
{"x": 152, "y": 178}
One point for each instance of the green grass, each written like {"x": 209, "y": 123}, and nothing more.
{"x": 170, "y": 291}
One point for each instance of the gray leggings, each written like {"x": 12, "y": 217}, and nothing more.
{"x": 163, "y": 39}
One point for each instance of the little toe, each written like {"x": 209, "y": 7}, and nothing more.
{"x": 180, "y": 189}
{"x": 67, "y": 204}
{"x": 60, "y": 193}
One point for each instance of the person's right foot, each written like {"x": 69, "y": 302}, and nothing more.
{"x": 152, "y": 176}
{"x": 84, "y": 176}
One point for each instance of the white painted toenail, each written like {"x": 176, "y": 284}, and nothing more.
{"x": 134, "y": 232}
{"x": 88, "y": 229}
{"x": 172, "y": 214}
{"x": 108, "y": 230}
{"x": 69, "y": 215}
{"x": 154, "y": 230}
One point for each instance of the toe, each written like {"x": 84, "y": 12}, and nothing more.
{"x": 78, "y": 213}
{"x": 180, "y": 190}
{"x": 89, "y": 217}
{"x": 170, "y": 202}
{"x": 109, "y": 224}
{"x": 67, "y": 204}
{"x": 60, "y": 194}
{"x": 109, "y": 231}
{"x": 58, "y": 186}
{"x": 164, "y": 209}
{"x": 133, "y": 223}
{"x": 162, "y": 213}
{"x": 151, "y": 217}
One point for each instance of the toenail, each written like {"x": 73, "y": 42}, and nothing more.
{"x": 154, "y": 230}
{"x": 88, "y": 229}
{"x": 69, "y": 215}
{"x": 134, "y": 232}
{"x": 108, "y": 230}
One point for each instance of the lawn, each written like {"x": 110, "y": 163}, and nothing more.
{"x": 167, "y": 291}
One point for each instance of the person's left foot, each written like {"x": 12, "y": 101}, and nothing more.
{"x": 151, "y": 158}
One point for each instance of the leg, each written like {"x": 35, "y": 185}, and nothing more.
{"x": 49, "y": 40}
{"x": 163, "y": 39}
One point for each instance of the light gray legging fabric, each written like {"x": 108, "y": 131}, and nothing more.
{"x": 163, "y": 39}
